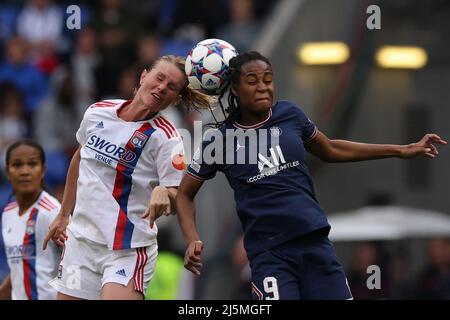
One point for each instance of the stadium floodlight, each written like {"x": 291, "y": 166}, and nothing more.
{"x": 401, "y": 57}
{"x": 323, "y": 53}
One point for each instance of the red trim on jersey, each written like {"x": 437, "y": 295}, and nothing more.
{"x": 193, "y": 176}
{"x": 45, "y": 206}
{"x": 138, "y": 276}
{"x": 121, "y": 192}
{"x": 103, "y": 104}
{"x": 122, "y": 106}
{"x": 10, "y": 206}
{"x": 143, "y": 268}
{"x": 257, "y": 291}
{"x": 53, "y": 205}
{"x": 314, "y": 134}
{"x": 166, "y": 126}
{"x": 170, "y": 125}
{"x": 26, "y": 262}
{"x": 162, "y": 127}
{"x": 136, "y": 267}
{"x": 63, "y": 253}
{"x": 122, "y": 218}
{"x": 256, "y": 125}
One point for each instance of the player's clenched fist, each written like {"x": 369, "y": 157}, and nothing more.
{"x": 192, "y": 258}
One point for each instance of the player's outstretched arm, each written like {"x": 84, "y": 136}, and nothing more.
{"x": 6, "y": 288}
{"x": 186, "y": 217}
{"x": 57, "y": 229}
{"x": 346, "y": 151}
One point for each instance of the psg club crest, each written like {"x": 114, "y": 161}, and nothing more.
{"x": 275, "y": 131}
{"x": 30, "y": 227}
{"x": 138, "y": 139}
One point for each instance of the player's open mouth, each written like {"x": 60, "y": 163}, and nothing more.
{"x": 157, "y": 97}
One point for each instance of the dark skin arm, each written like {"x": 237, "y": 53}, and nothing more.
{"x": 186, "y": 217}
{"x": 346, "y": 151}
{"x": 6, "y": 288}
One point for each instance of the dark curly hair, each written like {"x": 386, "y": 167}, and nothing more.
{"x": 236, "y": 64}
{"x": 27, "y": 142}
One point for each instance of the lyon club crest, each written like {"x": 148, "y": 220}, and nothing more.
{"x": 138, "y": 139}
{"x": 30, "y": 227}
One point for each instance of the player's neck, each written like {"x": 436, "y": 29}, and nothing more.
{"x": 135, "y": 111}
{"x": 247, "y": 118}
{"x": 25, "y": 201}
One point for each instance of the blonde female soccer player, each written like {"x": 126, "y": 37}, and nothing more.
{"x": 126, "y": 147}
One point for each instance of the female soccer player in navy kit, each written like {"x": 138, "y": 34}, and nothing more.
{"x": 25, "y": 222}
{"x": 285, "y": 229}
{"x": 126, "y": 148}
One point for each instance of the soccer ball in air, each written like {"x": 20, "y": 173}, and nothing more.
{"x": 207, "y": 65}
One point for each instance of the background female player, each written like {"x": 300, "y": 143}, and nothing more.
{"x": 25, "y": 222}
{"x": 286, "y": 231}
{"x": 125, "y": 148}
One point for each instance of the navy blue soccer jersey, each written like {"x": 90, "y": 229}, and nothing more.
{"x": 265, "y": 166}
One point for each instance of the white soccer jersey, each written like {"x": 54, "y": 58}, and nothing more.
{"x": 120, "y": 163}
{"x": 31, "y": 268}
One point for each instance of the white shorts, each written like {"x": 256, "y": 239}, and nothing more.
{"x": 86, "y": 266}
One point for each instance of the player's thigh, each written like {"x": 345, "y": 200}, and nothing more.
{"x": 129, "y": 272}
{"x": 273, "y": 278}
{"x": 77, "y": 274}
{"x": 116, "y": 291}
{"x": 62, "y": 296}
{"x": 322, "y": 276}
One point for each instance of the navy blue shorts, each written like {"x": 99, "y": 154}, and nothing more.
{"x": 303, "y": 268}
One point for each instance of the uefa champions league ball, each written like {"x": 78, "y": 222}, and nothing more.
{"x": 207, "y": 65}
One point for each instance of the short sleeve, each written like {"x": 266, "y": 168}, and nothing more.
{"x": 204, "y": 164}
{"x": 48, "y": 218}
{"x": 308, "y": 128}
{"x": 170, "y": 161}
{"x": 81, "y": 134}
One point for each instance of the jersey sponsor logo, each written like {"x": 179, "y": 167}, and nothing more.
{"x": 276, "y": 158}
{"x": 138, "y": 139}
{"x": 109, "y": 150}
{"x": 269, "y": 166}
{"x": 100, "y": 125}
{"x": 23, "y": 251}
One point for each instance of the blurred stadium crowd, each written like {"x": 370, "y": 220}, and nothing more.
{"x": 49, "y": 75}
